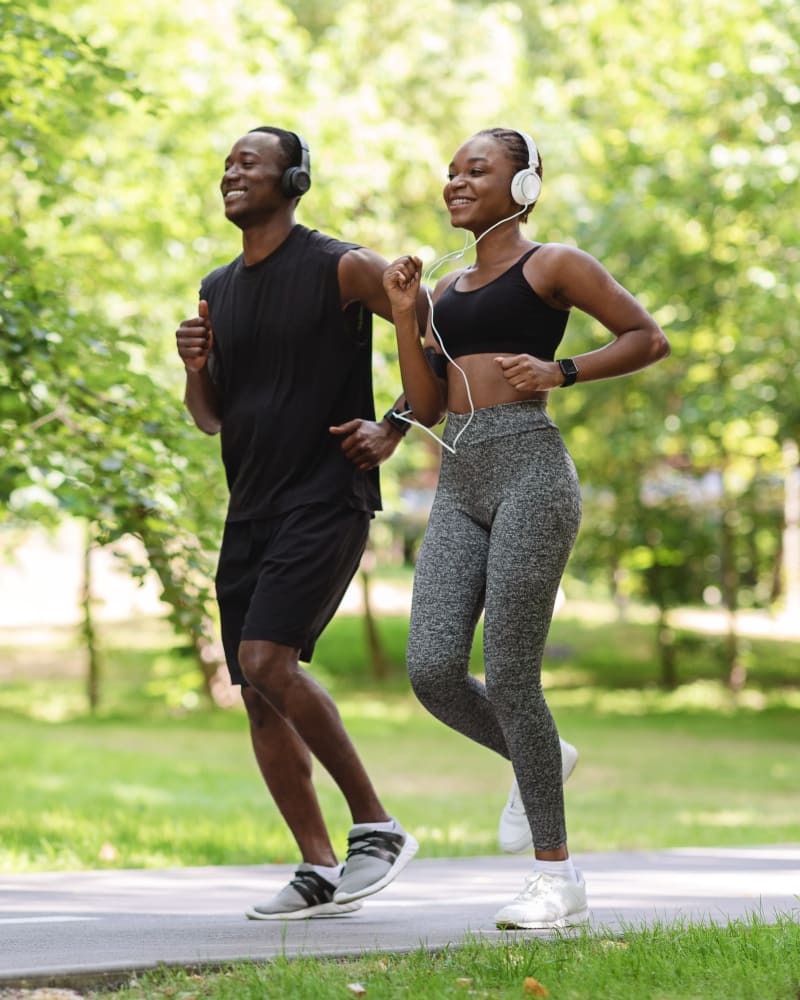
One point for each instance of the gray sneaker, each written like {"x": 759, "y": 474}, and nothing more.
{"x": 374, "y": 859}
{"x": 307, "y": 895}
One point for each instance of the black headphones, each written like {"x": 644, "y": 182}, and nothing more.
{"x": 297, "y": 180}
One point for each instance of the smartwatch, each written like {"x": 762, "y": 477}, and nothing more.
{"x": 392, "y": 416}
{"x": 569, "y": 370}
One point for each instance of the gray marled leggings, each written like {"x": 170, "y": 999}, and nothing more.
{"x": 501, "y": 529}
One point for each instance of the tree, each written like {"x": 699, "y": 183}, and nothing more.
{"x": 670, "y": 153}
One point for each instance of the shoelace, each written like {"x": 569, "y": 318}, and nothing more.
{"x": 375, "y": 844}
{"x": 547, "y": 883}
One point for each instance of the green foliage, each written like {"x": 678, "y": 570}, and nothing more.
{"x": 670, "y": 151}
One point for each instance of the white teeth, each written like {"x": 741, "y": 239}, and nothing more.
{"x": 233, "y": 194}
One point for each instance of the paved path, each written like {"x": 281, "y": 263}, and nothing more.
{"x": 66, "y": 928}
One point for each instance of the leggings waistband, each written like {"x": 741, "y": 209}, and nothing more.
{"x": 497, "y": 421}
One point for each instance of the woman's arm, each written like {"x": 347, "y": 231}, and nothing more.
{"x": 425, "y": 391}
{"x": 582, "y": 282}
{"x": 566, "y": 277}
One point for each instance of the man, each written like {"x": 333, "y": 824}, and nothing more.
{"x": 278, "y": 360}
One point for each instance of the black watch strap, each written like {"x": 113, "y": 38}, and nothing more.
{"x": 569, "y": 370}
{"x": 392, "y": 416}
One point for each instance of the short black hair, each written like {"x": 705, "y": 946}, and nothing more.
{"x": 289, "y": 143}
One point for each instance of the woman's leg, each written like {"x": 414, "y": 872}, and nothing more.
{"x": 531, "y": 539}
{"x": 449, "y": 585}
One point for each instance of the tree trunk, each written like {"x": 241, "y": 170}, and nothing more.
{"x": 666, "y": 649}
{"x": 791, "y": 531}
{"x": 665, "y": 637}
{"x": 177, "y": 563}
{"x": 88, "y": 632}
{"x": 379, "y": 662}
{"x": 734, "y": 667}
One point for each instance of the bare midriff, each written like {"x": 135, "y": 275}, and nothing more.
{"x": 488, "y": 385}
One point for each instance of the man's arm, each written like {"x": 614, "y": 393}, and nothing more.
{"x": 364, "y": 442}
{"x": 361, "y": 280}
{"x": 195, "y": 339}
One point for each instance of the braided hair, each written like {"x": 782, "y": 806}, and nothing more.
{"x": 516, "y": 150}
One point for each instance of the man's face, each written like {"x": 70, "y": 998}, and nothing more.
{"x": 251, "y": 184}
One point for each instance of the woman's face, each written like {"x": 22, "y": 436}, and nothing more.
{"x": 478, "y": 190}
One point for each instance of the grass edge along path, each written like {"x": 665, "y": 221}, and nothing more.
{"x": 746, "y": 959}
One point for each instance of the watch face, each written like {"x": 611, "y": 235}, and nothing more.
{"x": 569, "y": 370}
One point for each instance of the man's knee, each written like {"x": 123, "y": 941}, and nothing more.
{"x": 259, "y": 711}
{"x": 268, "y": 667}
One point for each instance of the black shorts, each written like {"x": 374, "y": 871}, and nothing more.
{"x": 282, "y": 578}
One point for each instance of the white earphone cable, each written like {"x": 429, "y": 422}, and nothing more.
{"x": 426, "y": 277}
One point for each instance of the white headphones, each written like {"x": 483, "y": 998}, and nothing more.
{"x": 526, "y": 185}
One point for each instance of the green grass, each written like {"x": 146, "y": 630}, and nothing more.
{"x": 158, "y": 779}
{"x": 742, "y": 960}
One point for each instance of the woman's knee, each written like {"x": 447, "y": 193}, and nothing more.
{"x": 432, "y": 681}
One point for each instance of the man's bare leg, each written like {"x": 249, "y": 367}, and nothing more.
{"x": 285, "y": 764}
{"x": 305, "y": 708}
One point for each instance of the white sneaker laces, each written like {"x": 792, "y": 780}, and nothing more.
{"x": 539, "y": 885}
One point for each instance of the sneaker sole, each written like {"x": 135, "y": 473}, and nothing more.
{"x": 308, "y": 913}
{"x": 571, "y": 920}
{"x": 525, "y": 841}
{"x": 409, "y": 849}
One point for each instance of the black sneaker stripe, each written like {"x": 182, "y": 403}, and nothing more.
{"x": 376, "y": 844}
{"x": 314, "y": 889}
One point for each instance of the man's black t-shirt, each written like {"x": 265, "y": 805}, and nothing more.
{"x": 288, "y": 364}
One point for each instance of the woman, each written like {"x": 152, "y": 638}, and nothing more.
{"x": 508, "y": 503}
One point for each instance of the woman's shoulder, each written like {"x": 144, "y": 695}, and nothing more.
{"x": 558, "y": 258}
{"x": 447, "y": 280}
{"x": 562, "y": 250}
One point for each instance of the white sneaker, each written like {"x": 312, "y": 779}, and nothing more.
{"x": 514, "y": 831}
{"x": 547, "y": 901}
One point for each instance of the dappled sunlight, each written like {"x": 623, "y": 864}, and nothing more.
{"x": 566, "y": 677}
{"x": 454, "y": 836}
{"x": 140, "y": 795}
{"x": 55, "y": 708}
{"x": 47, "y": 782}
{"x": 727, "y": 818}
{"x": 699, "y": 696}
{"x": 375, "y": 708}
{"x": 594, "y": 612}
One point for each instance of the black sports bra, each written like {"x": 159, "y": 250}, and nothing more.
{"x": 506, "y": 316}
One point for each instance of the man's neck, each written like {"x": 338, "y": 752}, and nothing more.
{"x": 259, "y": 241}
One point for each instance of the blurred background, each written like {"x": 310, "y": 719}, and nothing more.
{"x": 669, "y": 137}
